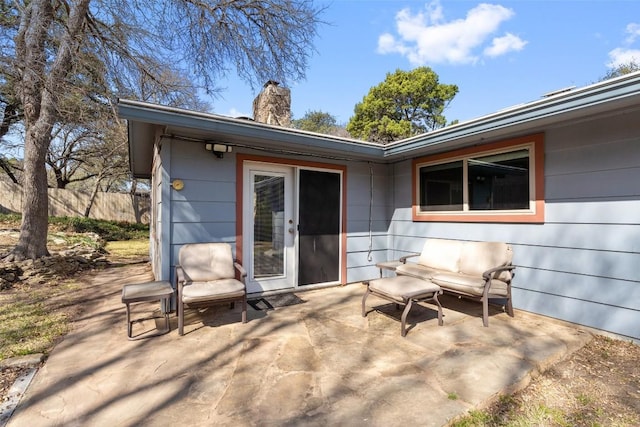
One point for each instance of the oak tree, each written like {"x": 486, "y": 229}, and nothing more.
{"x": 317, "y": 121}
{"x": 405, "y": 104}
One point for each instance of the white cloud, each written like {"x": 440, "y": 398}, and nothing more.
{"x": 626, "y": 55}
{"x": 633, "y": 30}
{"x": 505, "y": 44}
{"x": 426, "y": 37}
{"x": 621, "y": 56}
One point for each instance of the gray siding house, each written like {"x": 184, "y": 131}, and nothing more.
{"x": 558, "y": 178}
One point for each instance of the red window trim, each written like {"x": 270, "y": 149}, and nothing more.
{"x": 537, "y": 216}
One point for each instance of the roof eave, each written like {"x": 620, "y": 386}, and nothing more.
{"x": 603, "y": 97}
{"x": 610, "y": 95}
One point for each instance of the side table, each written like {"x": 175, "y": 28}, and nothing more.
{"x": 388, "y": 265}
{"x": 150, "y": 291}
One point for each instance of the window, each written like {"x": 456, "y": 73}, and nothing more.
{"x": 500, "y": 182}
{"x": 441, "y": 187}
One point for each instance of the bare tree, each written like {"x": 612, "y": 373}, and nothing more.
{"x": 6, "y": 166}
{"x": 63, "y": 51}
{"x": 630, "y": 66}
{"x": 11, "y": 114}
{"x": 10, "y": 107}
{"x": 76, "y": 153}
{"x": 67, "y": 156}
{"x": 108, "y": 161}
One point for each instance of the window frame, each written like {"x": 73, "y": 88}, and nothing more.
{"x": 535, "y": 214}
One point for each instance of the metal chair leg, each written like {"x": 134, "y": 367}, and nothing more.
{"x": 364, "y": 299}
{"x": 403, "y": 319}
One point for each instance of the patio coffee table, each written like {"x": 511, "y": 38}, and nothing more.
{"x": 150, "y": 291}
{"x": 403, "y": 290}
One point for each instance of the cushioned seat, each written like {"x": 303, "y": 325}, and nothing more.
{"x": 416, "y": 270}
{"x": 475, "y": 270}
{"x": 202, "y": 291}
{"x": 473, "y": 285}
{"x": 403, "y": 290}
{"x": 205, "y": 275}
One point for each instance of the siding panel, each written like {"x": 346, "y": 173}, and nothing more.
{"x": 601, "y": 184}
{"x": 605, "y": 317}
{"x": 203, "y": 211}
{"x": 359, "y": 212}
{"x": 601, "y": 211}
{"x": 612, "y": 155}
{"x": 191, "y": 161}
{"x": 606, "y": 264}
{"x": 609, "y": 130}
{"x": 610, "y": 237}
{"x": 617, "y": 293}
{"x": 357, "y": 243}
{"x": 360, "y": 259}
{"x": 359, "y": 274}
{"x": 362, "y": 226}
{"x": 206, "y": 190}
{"x": 581, "y": 265}
{"x": 203, "y": 232}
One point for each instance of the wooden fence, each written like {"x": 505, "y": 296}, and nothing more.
{"x": 108, "y": 206}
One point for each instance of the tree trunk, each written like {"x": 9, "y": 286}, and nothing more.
{"x": 92, "y": 198}
{"x": 134, "y": 200}
{"x": 32, "y": 243}
{"x": 39, "y": 86}
{"x": 30, "y": 51}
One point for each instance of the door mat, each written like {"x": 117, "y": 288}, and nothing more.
{"x": 275, "y": 301}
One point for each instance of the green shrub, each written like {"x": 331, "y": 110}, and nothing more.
{"x": 10, "y": 218}
{"x": 107, "y": 230}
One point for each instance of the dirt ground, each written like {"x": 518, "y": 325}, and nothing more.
{"x": 71, "y": 305}
{"x": 597, "y": 385}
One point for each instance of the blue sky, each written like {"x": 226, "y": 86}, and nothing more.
{"x": 499, "y": 53}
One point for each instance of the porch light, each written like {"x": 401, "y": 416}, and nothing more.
{"x": 218, "y": 149}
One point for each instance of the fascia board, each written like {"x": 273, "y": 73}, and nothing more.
{"x": 247, "y": 131}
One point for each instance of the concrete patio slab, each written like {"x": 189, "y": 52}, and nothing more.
{"x": 314, "y": 362}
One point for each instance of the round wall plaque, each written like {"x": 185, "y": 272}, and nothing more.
{"x": 177, "y": 184}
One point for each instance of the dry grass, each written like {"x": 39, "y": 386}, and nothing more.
{"x": 128, "y": 249}
{"x": 33, "y": 317}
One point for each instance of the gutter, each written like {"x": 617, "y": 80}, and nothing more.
{"x": 241, "y": 128}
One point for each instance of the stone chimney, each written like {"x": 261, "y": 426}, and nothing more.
{"x": 273, "y": 105}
